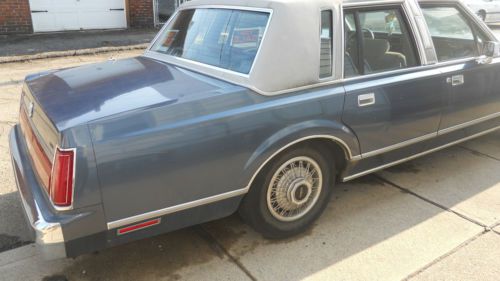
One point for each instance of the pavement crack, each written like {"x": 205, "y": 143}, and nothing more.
{"x": 493, "y": 228}
{"x": 431, "y": 202}
{"x": 478, "y": 153}
{"x": 442, "y": 257}
{"x": 220, "y": 250}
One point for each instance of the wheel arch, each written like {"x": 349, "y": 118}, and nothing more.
{"x": 332, "y": 136}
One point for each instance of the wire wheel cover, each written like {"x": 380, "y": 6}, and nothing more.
{"x": 294, "y": 189}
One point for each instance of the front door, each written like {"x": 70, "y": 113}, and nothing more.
{"x": 475, "y": 85}
{"x": 391, "y": 100}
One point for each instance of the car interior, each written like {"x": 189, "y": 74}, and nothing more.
{"x": 385, "y": 44}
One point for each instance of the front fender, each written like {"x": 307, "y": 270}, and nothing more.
{"x": 291, "y": 135}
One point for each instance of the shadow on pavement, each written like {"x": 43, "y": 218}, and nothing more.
{"x": 13, "y": 227}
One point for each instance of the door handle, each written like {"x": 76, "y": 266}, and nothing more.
{"x": 366, "y": 99}
{"x": 456, "y": 80}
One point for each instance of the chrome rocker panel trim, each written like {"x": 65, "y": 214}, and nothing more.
{"x": 429, "y": 136}
{"x": 176, "y": 208}
{"x": 227, "y": 195}
{"x": 417, "y": 155}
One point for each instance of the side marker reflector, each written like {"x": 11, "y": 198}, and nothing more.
{"x": 139, "y": 226}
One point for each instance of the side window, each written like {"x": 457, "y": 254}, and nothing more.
{"x": 453, "y": 34}
{"x": 351, "y": 54}
{"x": 326, "y": 61}
{"x": 377, "y": 40}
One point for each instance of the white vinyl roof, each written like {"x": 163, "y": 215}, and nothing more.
{"x": 289, "y": 55}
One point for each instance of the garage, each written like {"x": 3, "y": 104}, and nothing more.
{"x": 56, "y": 15}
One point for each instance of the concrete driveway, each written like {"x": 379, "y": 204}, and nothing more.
{"x": 435, "y": 218}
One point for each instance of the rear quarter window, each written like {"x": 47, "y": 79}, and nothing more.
{"x": 225, "y": 38}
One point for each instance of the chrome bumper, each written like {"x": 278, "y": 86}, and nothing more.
{"x": 47, "y": 230}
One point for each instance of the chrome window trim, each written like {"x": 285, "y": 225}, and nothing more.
{"x": 332, "y": 41}
{"x": 345, "y": 179}
{"x": 176, "y": 60}
{"x": 372, "y": 3}
{"x": 410, "y": 69}
{"x": 407, "y": 14}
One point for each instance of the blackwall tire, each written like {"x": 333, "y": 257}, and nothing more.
{"x": 289, "y": 194}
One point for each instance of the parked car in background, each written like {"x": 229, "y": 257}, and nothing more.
{"x": 487, "y": 10}
{"x": 260, "y": 107}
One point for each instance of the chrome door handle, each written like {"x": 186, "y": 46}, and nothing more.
{"x": 456, "y": 80}
{"x": 366, "y": 99}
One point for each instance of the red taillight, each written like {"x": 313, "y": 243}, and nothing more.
{"x": 41, "y": 163}
{"x": 61, "y": 179}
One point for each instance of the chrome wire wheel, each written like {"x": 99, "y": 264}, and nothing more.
{"x": 294, "y": 189}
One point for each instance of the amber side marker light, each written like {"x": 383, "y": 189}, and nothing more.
{"x": 139, "y": 226}
{"x": 62, "y": 178}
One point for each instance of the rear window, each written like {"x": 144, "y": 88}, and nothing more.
{"x": 223, "y": 38}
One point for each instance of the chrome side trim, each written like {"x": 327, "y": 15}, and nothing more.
{"x": 398, "y": 145}
{"x": 223, "y": 196}
{"x": 417, "y": 155}
{"x": 429, "y": 136}
{"x": 469, "y": 123}
{"x": 347, "y": 151}
{"x": 176, "y": 208}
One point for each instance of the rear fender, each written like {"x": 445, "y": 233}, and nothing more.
{"x": 298, "y": 133}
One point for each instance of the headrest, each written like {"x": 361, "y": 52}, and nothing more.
{"x": 376, "y": 47}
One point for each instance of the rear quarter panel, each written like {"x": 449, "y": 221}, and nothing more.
{"x": 162, "y": 157}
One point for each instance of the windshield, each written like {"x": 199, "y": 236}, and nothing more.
{"x": 223, "y": 38}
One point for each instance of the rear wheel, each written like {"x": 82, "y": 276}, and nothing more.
{"x": 289, "y": 194}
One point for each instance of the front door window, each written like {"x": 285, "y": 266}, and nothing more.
{"x": 453, "y": 34}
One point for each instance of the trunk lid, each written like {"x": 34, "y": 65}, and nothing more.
{"x": 75, "y": 96}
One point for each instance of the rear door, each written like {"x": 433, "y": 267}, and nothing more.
{"x": 459, "y": 40}
{"x": 391, "y": 100}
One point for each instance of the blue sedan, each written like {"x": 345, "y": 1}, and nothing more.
{"x": 259, "y": 107}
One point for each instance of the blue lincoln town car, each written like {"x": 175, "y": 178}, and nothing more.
{"x": 259, "y": 107}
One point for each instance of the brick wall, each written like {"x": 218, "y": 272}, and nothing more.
{"x": 140, "y": 13}
{"x": 15, "y": 16}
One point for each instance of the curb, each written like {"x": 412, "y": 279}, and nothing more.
{"x": 69, "y": 53}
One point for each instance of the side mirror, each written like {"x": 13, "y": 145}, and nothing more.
{"x": 491, "y": 50}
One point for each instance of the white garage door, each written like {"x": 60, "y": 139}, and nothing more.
{"x": 57, "y": 15}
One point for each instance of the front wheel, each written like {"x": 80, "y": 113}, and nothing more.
{"x": 289, "y": 194}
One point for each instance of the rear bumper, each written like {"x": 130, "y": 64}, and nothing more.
{"x": 45, "y": 225}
